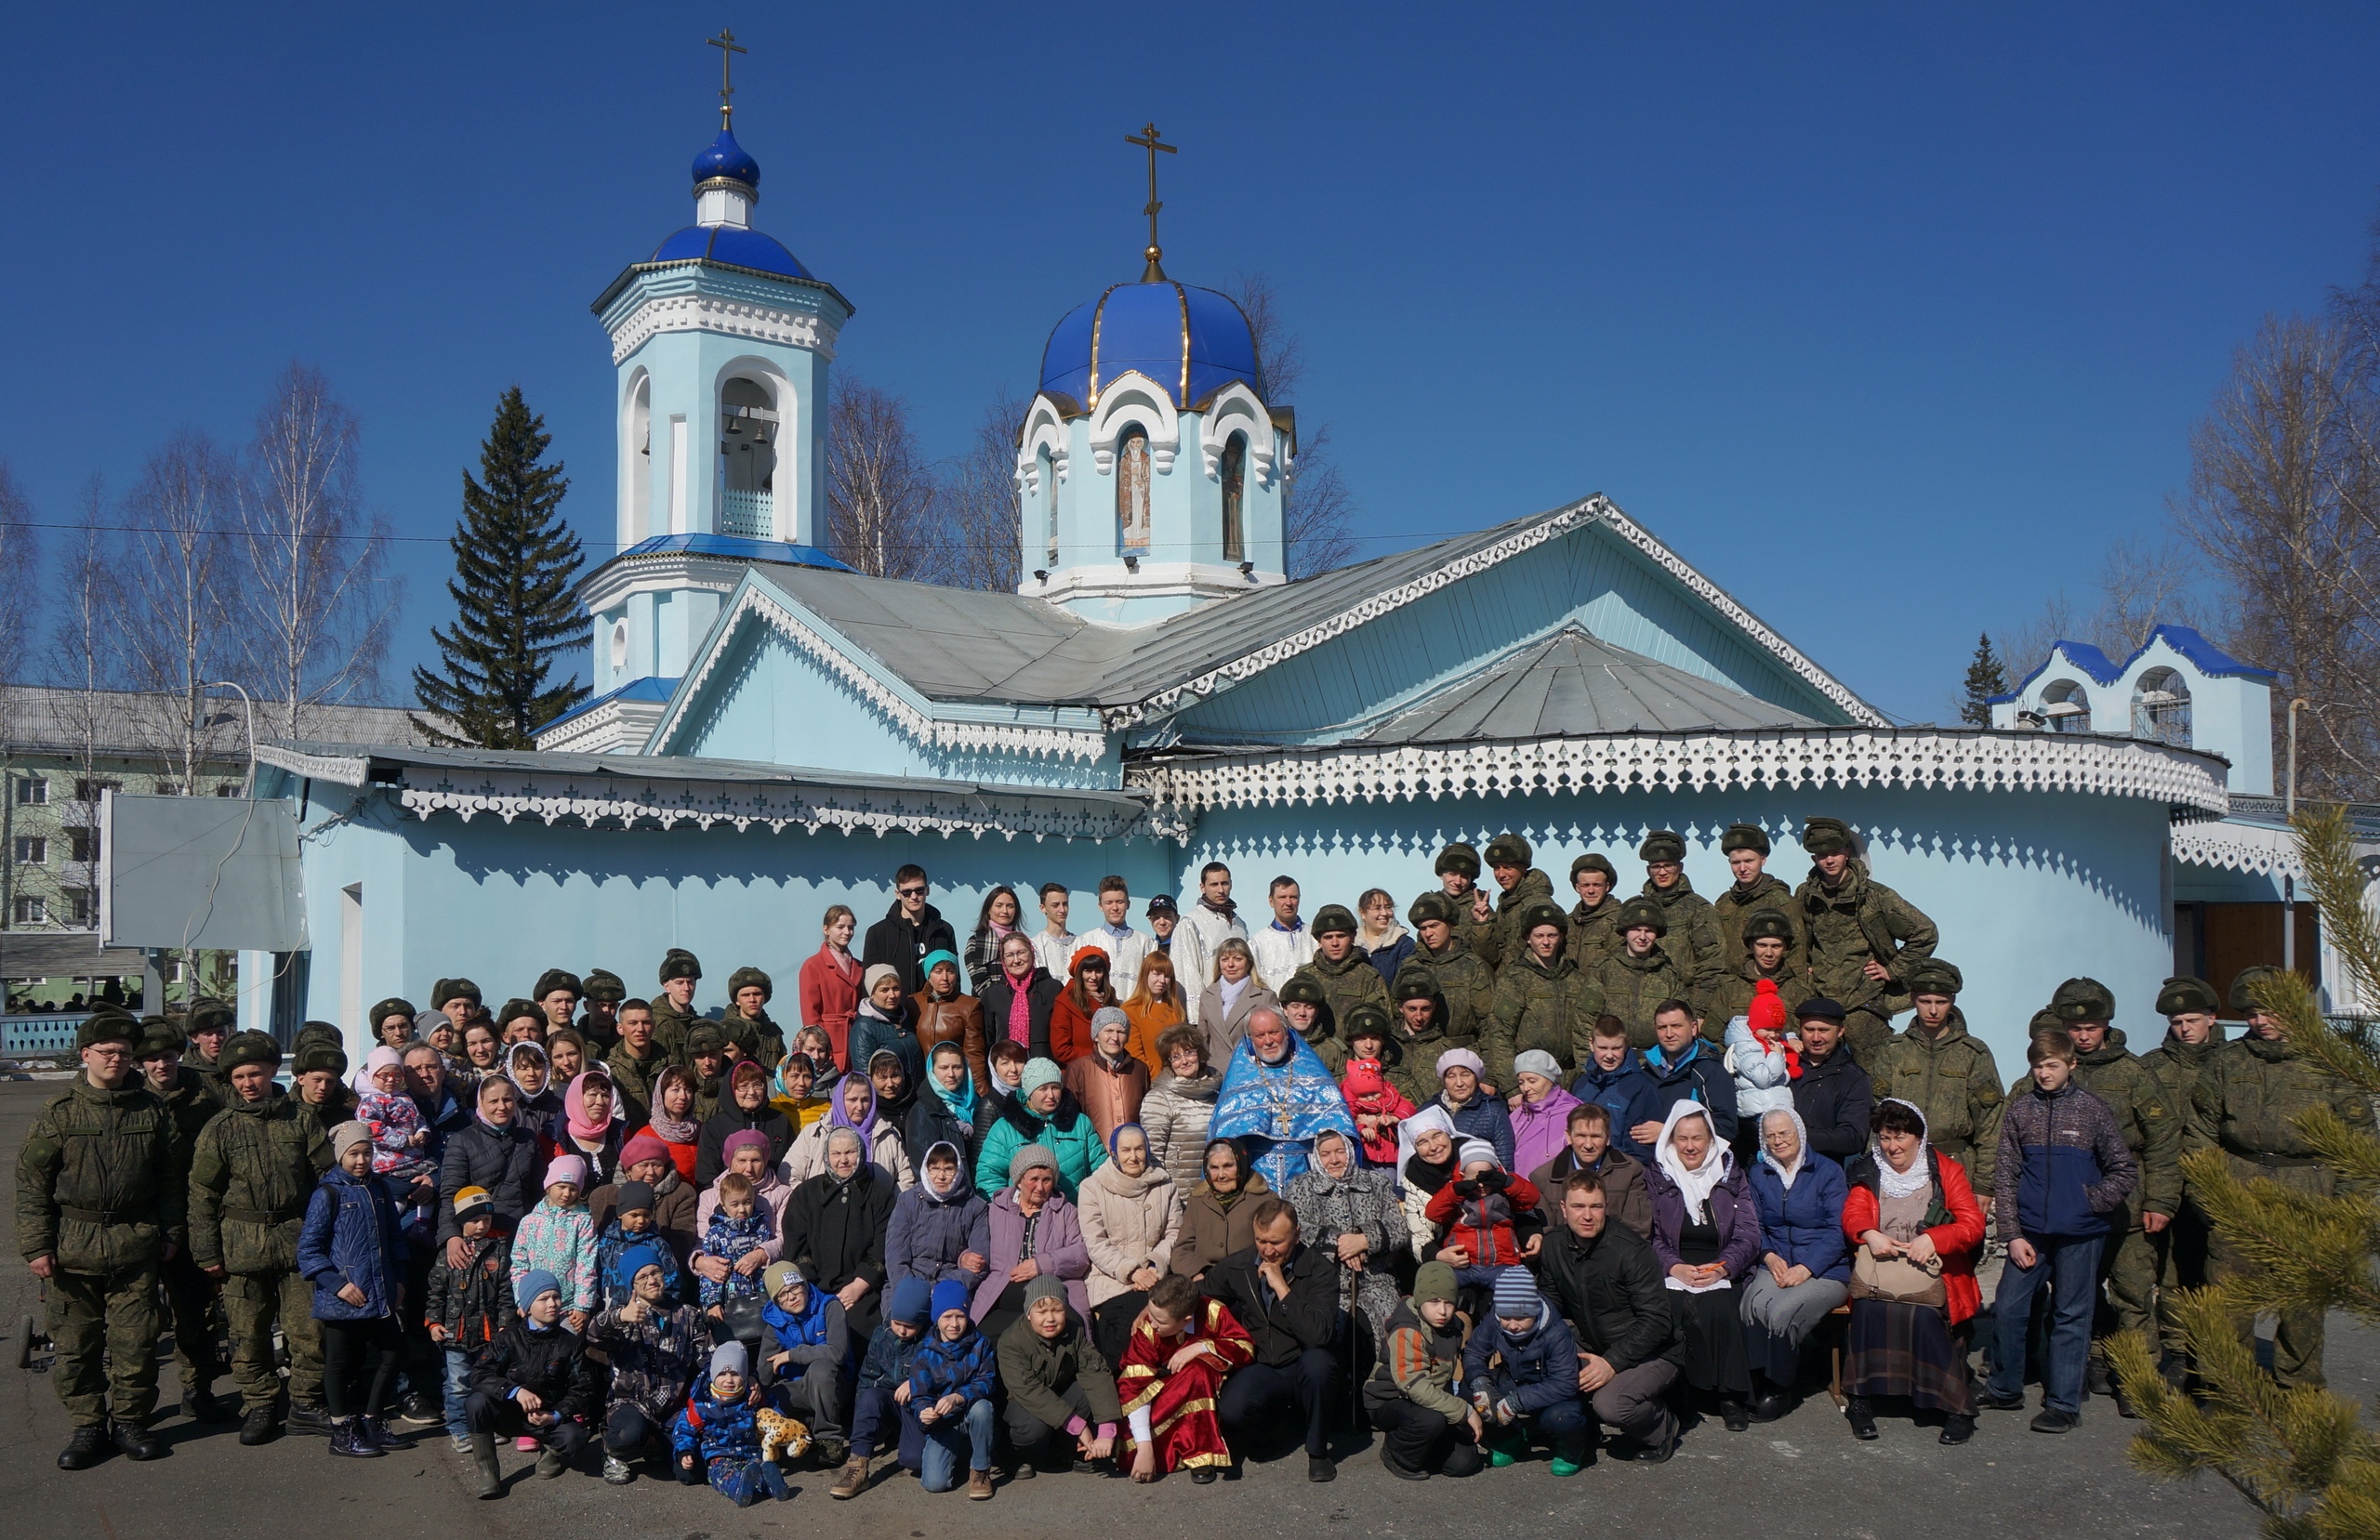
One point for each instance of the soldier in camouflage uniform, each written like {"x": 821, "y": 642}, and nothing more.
{"x": 1765, "y": 954}
{"x": 707, "y": 1060}
{"x": 1465, "y": 985}
{"x": 1946, "y": 1072}
{"x": 1595, "y": 932}
{"x": 2152, "y": 1131}
{"x": 1640, "y": 974}
{"x": 1473, "y": 915}
{"x": 191, "y": 1099}
{"x": 1348, "y": 979}
{"x": 1542, "y": 1002}
{"x": 2248, "y": 1099}
{"x": 1863, "y": 938}
{"x": 1691, "y": 939}
{"x": 1519, "y": 885}
{"x": 673, "y": 1009}
{"x": 250, "y": 1176}
{"x": 601, "y": 1023}
{"x": 754, "y": 1032}
{"x": 2193, "y": 1036}
{"x": 1420, "y": 1028}
{"x": 318, "y": 1079}
{"x": 98, "y": 1209}
{"x": 208, "y": 1024}
{"x": 1307, "y": 1010}
{"x": 1746, "y": 847}
{"x": 638, "y": 1060}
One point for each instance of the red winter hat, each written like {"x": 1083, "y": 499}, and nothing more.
{"x": 1767, "y": 1012}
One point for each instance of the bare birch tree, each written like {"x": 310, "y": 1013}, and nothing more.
{"x": 881, "y": 496}
{"x": 82, "y": 669}
{"x": 313, "y": 560}
{"x": 1317, "y": 509}
{"x": 982, "y": 517}
{"x": 175, "y": 600}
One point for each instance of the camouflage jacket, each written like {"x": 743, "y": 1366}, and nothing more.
{"x": 1952, "y": 1079}
{"x": 1732, "y": 996}
{"x": 2175, "y": 1067}
{"x": 1691, "y": 939}
{"x": 2249, "y": 1096}
{"x": 1730, "y": 909}
{"x": 99, "y": 1178}
{"x": 250, "y": 1176}
{"x": 1467, "y": 990}
{"x": 1594, "y": 933}
{"x": 1547, "y": 1008}
{"x": 1858, "y": 922}
{"x": 1633, "y": 986}
{"x": 1535, "y": 886}
{"x": 1347, "y": 984}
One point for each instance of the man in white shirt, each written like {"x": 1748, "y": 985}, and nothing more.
{"x": 1124, "y": 946}
{"x": 1284, "y": 946}
{"x": 1053, "y": 944}
{"x": 1205, "y": 925}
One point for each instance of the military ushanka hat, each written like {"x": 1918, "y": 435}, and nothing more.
{"x": 706, "y": 1037}
{"x": 553, "y": 978}
{"x": 1663, "y": 845}
{"x": 108, "y": 1026}
{"x": 2242, "y": 1000}
{"x": 249, "y": 1047}
{"x": 678, "y": 962}
{"x": 387, "y": 1008}
{"x": 1334, "y": 919}
{"x": 453, "y": 989}
{"x": 314, "y": 1056}
{"x": 2083, "y": 1000}
{"x": 1744, "y": 836}
{"x": 1544, "y": 913}
{"x": 1826, "y": 836}
{"x": 1591, "y": 861}
{"x": 2182, "y": 996}
{"x": 1935, "y": 977}
{"x": 1459, "y": 858}
{"x": 1413, "y": 982}
{"x": 1765, "y": 924}
{"x": 158, "y": 1035}
{"x": 211, "y": 1015}
{"x": 750, "y": 978}
{"x": 1641, "y": 911}
{"x": 320, "y": 1031}
{"x": 1433, "y": 906}
{"x": 1508, "y": 849}
{"x": 605, "y": 987}
{"x": 1303, "y": 989}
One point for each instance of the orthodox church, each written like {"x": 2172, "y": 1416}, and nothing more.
{"x": 771, "y": 732}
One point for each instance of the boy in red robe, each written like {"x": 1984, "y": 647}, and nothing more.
{"x": 1183, "y": 1346}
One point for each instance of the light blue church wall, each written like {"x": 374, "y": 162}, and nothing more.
{"x": 2028, "y": 890}
{"x": 1589, "y": 576}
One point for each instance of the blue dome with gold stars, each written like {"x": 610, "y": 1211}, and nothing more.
{"x": 726, "y": 158}
{"x": 1190, "y": 340}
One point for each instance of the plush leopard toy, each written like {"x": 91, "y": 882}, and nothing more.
{"x": 782, "y": 1438}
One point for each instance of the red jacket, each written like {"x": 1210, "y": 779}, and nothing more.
{"x": 830, "y": 999}
{"x": 1960, "y": 1242}
{"x": 1490, "y": 1244}
{"x": 1070, "y": 1024}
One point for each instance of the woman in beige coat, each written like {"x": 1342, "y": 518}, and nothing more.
{"x": 1224, "y": 1007}
{"x": 1130, "y": 1211}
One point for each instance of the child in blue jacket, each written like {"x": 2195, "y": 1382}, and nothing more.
{"x": 951, "y": 1396}
{"x": 1535, "y": 1378}
{"x": 717, "y": 1438}
{"x": 883, "y": 1385}
{"x": 353, "y": 1252}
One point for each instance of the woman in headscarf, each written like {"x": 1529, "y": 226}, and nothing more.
{"x": 540, "y": 1108}
{"x": 1109, "y": 1081}
{"x": 1706, "y": 1232}
{"x": 1156, "y": 1006}
{"x": 830, "y": 981}
{"x": 1043, "y": 1111}
{"x": 995, "y": 923}
{"x": 1804, "y": 1267}
{"x": 673, "y": 1121}
{"x": 1276, "y": 1097}
{"x": 745, "y": 1106}
{"x": 1351, "y": 1216}
{"x": 586, "y": 1127}
{"x": 943, "y": 1015}
{"x": 1181, "y": 1105}
{"x": 854, "y": 1108}
{"x": 944, "y": 1111}
{"x": 793, "y": 1089}
{"x": 1088, "y": 989}
{"x": 835, "y": 1224}
{"x": 1430, "y": 1156}
{"x": 748, "y": 1155}
{"x": 1034, "y": 1230}
{"x": 1541, "y": 1110}
{"x": 1217, "y": 1215}
{"x": 1130, "y": 1213}
{"x": 896, "y": 1101}
{"x": 883, "y": 1022}
{"x": 938, "y": 1230}
{"x": 1912, "y": 1213}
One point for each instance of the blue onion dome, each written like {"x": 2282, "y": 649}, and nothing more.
{"x": 1193, "y": 341}
{"x": 728, "y": 159}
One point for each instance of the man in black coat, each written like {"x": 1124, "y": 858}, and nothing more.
{"x": 1286, "y": 1296}
{"x": 1833, "y": 1095}
{"x": 492, "y": 1152}
{"x": 1607, "y": 1281}
{"x": 908, "y": 930}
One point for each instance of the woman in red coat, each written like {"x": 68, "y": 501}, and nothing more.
{"x": 1912, "y": 1204}
{"x": 1086, "y": 991}
{"x": 830, "y": 984}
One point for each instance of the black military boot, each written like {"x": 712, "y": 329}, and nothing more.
{"x": 138, "y": 1443}
{"x": 260, "y": 1426}
{"x": 200, "y": 1403}
{"x": 308, "y": 1417}
{"x": 85, "y": 1448}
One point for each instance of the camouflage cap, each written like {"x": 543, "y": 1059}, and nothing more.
{"x": 158, "y": 1037}
{"x": 1663, "y": 845}
{"x": 320, "y": 1031}
{"x": 750, "y": 978}
{"x": 516, "y": 1008}
{"x": 1303, "y": 989}
{"x": 1508, "y": 849}
{"x": 2183, "y": 995}
{"x": 605, "y": 987}
{"x": 108, "y": 1026}
{"x": 1365, "y": 1016}
{"x": 1935, "y": 977}
{"x": 1744, "y": 836}
{"x": 453, "y": 989}
{"x": 1767, "y": 925}
{"x": 211, "y": 1015}
{"x": 1641, "y": 911}
{"x": 1433, "y": 906}
{"x": 315, "y": 1057}
{"x": 1542, "y": 912}
{"x": 1413, "y": 982}
{"x": 1334, "y": 919}
{"x": 1459, "y": 858}
{"x": 2045, "y": 1020}
{"x": 553, "y": 978}
{"x": 1826, "y": 836}
{"x": 387, "y": 1008}
{"x": 678, "y": 962}
{"x": 248, "y": 1048}
{"x": 2242, "y": 1000}
{"x": 2083, "y": 1000}
{"x": 1591, "y": 861}
{"x": 706, "y": 1037}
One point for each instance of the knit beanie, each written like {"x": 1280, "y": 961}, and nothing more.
{"x": 876, "y": 973}
{"x": 948, "y": 1294}
{"x": 644, "y": 1147}
{"x": 632, "y": 1195}
{"x": 1538, "y": 1061}
{"x": 1515, "y": 1293}
{"x": 633, "y": 1260}
{"x": 1108, "y": 1014}
{"x": 535, "y": 1282}
{"x": 728, "y": 1358}
{"x": 471, "y": 1200}
{"x": 348, "y": 1135}
{"x": 1024, "y": 1160}
{"x": 777, "y": 1277}
{"x": 1767, "y": 1010}
{"x": 1434, "y": 1281}
{"x": 1040, "y": 1072}
{"x": 742, "y": 1139}
{"x": 565, "y": 1168}
{"x": 1473, "y": 1150}
{"x": 1044, "y": 1286}
{"x": 912, "y": 1301}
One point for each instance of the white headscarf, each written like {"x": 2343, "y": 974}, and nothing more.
{"x": 1431, "y": 1116}
{"x": 1801, "y": 1156}
{"x": 1716, "y": 1163}
{"x": 1920, "y": 1175}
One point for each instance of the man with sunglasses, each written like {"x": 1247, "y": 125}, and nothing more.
{"x": 100, "y": 1209}
{"x": 908, "y": 930}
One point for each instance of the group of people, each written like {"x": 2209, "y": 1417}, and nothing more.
{"x": 1146, "y": 1201}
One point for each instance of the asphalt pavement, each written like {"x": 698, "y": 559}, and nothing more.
{"x": 1803, "y": 1475}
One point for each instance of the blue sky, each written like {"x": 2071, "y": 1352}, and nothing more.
{"x": 1889, "y": 318}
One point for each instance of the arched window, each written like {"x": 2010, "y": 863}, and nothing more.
{"x": 747, "y": 460}
{"x": 2160, "y": 707}
{"x": 1235, "y": 478}
{"x": 1132, "y": 490}
{"x": 1047, "y": 477}
{"x": 2067, "y": 707}
{"x": 640, "y": 461}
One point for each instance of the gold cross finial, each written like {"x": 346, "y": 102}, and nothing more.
{"x": 728, "y": 49}
{"x": 1147, "y": 139}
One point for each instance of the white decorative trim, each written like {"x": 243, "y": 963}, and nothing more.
{"x": 339, "y": 769}
{"x": 911, "y": 716}
{"x": 616, "y": 727}
{"x": 1131, "y": 397}
{"x": 1045, "y": 427}
{"x": 1919, "y": 758}
{"x": 1552, "y": 527}
{"x": 708, "y": 313}
{"x": 1234, "y": 409}
{"x": 2257, "y": 848}
{"x": 611, "y": 802}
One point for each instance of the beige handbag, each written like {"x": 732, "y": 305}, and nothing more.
{"x": 1898, "y": 1280}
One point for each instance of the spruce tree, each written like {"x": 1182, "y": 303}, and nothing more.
{"x": 1985, "y": 677}
{"x": 514, "y": 563}
{"x": 2303, "y": 1456}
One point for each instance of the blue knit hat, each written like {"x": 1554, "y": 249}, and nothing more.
{"x": 633, "y": 1260}
{"x": 950, "y": 1294}
{"x": 1517, "y": 1292}
{"x": 912, "y": 1302}
{"x": 535, "y": 1282}
{"x": 1040, "y": 1072}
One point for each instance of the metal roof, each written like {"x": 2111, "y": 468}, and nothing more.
{"x": 128, "y": 724}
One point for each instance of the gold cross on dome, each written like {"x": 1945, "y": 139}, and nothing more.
{"x": 728, "y": 49}
{"x": 1147, "y": 139}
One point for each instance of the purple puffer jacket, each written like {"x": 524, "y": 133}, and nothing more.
{"x": 1732, "y": 1210}
{"x": 1057, "y": 1245}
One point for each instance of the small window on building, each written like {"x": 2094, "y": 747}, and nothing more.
{"x": 2161, "y": 708}
{"x": 229, "y": 788}
{"x": 83, "y": 846}
{"x": 31, "y": 909}
{"x": 79, "y": 907}
{"x": 2065, "y": 708}
{"x": 88, "y": 790}
{"x": 1132, "y": 490}
{"x": 32, "y": 850}
{"x": 1235, "y": 478}
{"x": 169, "y": 788}
{"x": 1050, "y": 507}
{"x": 33, "y": 791}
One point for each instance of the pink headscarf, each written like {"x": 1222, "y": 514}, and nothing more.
{"x": 574, "y": 1104}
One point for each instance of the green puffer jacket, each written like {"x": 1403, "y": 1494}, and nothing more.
{"x": 1467, "y": 986}
{"x": 1547, "y": 1008}
{"x": 2175, "y": 1066}
{"x": 1855, "y": 922}
{"x": 99, "y": 1179}
{"x": 1594, "y": 933}
{"x": 1535, "y": 886}
{"x": 1633, "y": 986}
{"x": 1691, "y": 939}
{"x": 2249, "y": 1096}
{"x": 254, "y": 1169}
{"x": 1952, "y": 1079}
{"x": 193, "y": 1102}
